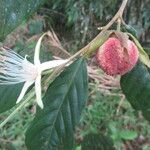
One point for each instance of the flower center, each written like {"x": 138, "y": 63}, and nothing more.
{"x": 29, "y": 70}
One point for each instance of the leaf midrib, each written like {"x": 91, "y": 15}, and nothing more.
{"x": 53, "y": 124}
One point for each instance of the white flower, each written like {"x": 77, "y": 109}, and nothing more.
{"x": 16, "y": 69}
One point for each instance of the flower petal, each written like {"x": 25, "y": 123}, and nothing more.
{"x": 37, "y": 50}
{"x": 38, "y": 91}
{"x": 52, "y": 64}
{"x": 24, "y": 89}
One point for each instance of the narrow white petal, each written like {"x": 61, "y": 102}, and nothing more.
{"x": 52, "y": 64}
{"x": 37, "y": 50}
{"x": 38, "y": 91}
{"x": 24, "y": 89}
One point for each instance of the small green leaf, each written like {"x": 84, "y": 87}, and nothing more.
{"x": 14, "y": 12}
{"x": 8, "y": 96}
{"x": 142, "y": 54}
{"x": 130, "y": 29}
{"x": 128, "y": 135}
{"x": 53, "y": 127}
{"x": 78, "y": 148}
{"x": 136, "y": 87}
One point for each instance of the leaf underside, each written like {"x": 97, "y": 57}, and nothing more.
{"x": 136, "y": 87}
{"x": 53, "y": 127}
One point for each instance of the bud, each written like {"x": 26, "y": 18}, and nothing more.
{"x": 117, "y": 57}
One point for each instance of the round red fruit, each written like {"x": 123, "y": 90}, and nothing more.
{"x": 115, "y": 59}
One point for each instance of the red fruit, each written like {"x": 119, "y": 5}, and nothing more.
{"x": 115, "y": 59}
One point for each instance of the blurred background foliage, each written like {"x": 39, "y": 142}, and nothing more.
{"x": 75, "y": 22}
{"x": 81, "y": 18}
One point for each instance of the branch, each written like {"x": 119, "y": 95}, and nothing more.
{"x": 91, "y": 45}
{"x": 117, "y": 15}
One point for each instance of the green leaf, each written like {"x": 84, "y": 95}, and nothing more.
{"x": 53, "y": 127}
{"x": 128, "y": 135}
{"x": 147, "y": 50}
{"x": 143, "y": 56}
{"x": 136, "y": 87}
{"x": 14, "y": 12}
{"x": 130, "y": 29}
{"x": 78, "y": 148}
{"x": 8, "y": 96}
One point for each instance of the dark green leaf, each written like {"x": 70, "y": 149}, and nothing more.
{"x": 53, "y": 127}
{"x": 8, "y": 96}
{"x": 143, "y": 56}
{"x": 130, "y": 29}
{"x": 14, "y": 12}
{"x": 147, "y": 50}
{"x": 136, "y": 87}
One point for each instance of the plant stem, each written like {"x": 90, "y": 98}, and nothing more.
{"x": 118, "y": 24}
{"x": 82, "y": 51}
{"x": 117, "y": 15}
{"x": 79, "y": 53}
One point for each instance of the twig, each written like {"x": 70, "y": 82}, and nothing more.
{"x": 120, "y": 104}
{"x": 117, "y": 15}
{"x": 79, "y": 53}
{"x": 84, "y": 49}
{"x": 56, "y": 43}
